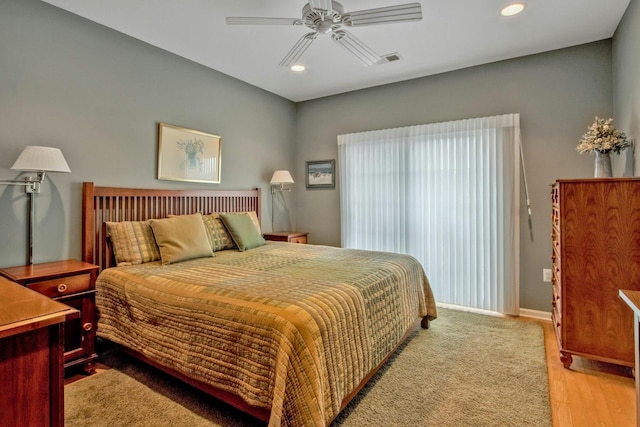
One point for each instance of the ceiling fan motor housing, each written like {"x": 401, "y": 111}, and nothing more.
{"x": 321, "y": 20}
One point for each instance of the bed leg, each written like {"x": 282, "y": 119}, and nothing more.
{"x": 425, "y": 322}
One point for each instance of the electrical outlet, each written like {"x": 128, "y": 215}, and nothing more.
{"x": 546, "y": 274}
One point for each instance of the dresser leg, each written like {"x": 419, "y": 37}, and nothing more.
{"x": 566, "y": 359}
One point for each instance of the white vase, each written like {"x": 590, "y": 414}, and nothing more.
{"x": 603, "y": 165}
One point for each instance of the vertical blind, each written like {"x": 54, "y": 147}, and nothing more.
{"x": 445, "y": 193}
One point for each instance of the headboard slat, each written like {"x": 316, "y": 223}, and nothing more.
{"x": 101, "y": 204}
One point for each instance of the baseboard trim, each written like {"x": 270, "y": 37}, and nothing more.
{"x": 470, "y": 309}
{"x": 535, "y": 314}
{"x": 523, "y": 312}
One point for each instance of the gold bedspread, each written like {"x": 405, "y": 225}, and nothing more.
{"x": 290, "y": 328}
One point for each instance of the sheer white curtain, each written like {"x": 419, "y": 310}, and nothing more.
{"x": 446, "y": 193}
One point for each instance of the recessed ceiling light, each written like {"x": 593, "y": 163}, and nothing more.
{"x": 298, "y": 67}
{"x": 513, "y": 9}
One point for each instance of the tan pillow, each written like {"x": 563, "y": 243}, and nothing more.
{"x": 180, "y": 238}
{"x": 133, "y": 242}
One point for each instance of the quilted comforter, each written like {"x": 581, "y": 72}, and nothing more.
{"x": 286, "y": 327}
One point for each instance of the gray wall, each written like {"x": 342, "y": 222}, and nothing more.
{"x": 98, "y": 95}
{"x": 626, "y": 85}
{"x": 556, "y": 93}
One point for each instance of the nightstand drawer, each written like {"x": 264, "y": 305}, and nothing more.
{"x": 63, "y": 286}
{"x": 299, "y": 239}
{"x": 287, "y": 236}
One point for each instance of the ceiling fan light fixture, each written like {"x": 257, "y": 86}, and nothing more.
{"x": 513, "y": 9}
{"x": 298, "y": 68}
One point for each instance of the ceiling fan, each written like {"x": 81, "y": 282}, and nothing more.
{"x": 326, "y": 16}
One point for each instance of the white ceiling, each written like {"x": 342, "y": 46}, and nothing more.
{"x": 453, "y": 34}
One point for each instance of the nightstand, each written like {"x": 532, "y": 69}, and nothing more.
{"x": 73, "y": 283}
{"x": 287, "y": 236}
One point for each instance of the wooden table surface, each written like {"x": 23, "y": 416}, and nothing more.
{"x": 23, "y": 309}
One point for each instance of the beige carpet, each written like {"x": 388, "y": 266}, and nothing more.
{"x": 466, "y": 370}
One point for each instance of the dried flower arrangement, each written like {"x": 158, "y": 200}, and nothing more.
{"x": 603, "y": 137}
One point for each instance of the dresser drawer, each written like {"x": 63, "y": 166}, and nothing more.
{"x": 62, "y": 286}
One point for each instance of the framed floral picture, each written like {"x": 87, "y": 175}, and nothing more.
{"x": 321, "y": 174}
{"x": 188, "y": 155}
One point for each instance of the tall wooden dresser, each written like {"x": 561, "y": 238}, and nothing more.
{"x": 596, "y": 252}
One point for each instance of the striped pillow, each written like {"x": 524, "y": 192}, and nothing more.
{"x": 218, "y": 235}
{"x": 133, "y": 242}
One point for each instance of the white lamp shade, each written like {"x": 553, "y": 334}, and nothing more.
{"x": 281, "y": 177}
{"x": 45, "y": 159}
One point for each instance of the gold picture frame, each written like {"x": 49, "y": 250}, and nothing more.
{"x": 188, "y": 155}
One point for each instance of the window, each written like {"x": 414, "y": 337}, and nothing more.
{"x": 445, "y": 193}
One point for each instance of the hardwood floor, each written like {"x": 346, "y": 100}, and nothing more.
{"x": 590, "y": 393}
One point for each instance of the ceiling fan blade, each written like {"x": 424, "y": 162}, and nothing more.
{"x": 383, "y": 15}
{"x": 321, "y": 5}
{"x": 356, "y": 47}
{"x": 247, "y": 20}
{"x": 298, "y": 49}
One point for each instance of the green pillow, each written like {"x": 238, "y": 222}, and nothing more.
{"x": 243, "y": 231}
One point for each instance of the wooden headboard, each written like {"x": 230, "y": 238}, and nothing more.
{"x": 100, "y": 204}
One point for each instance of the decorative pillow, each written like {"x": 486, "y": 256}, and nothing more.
{"x": 243, "y": 231}
{"x": 252, "y": 214}
{"x": 218, "y": 234}
{"x": 180, "y": 238}
{"x": 132, "y": 242}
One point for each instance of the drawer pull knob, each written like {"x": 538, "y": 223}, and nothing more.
{"x": 87, "y": 326}
{"x": 62, "y": 287}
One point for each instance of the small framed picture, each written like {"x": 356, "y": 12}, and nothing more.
{"x": 188, "y": 155}
{"x": 321, "y": 174}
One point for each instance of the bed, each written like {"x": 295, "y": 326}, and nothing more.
{"x": 288, "y": 333}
